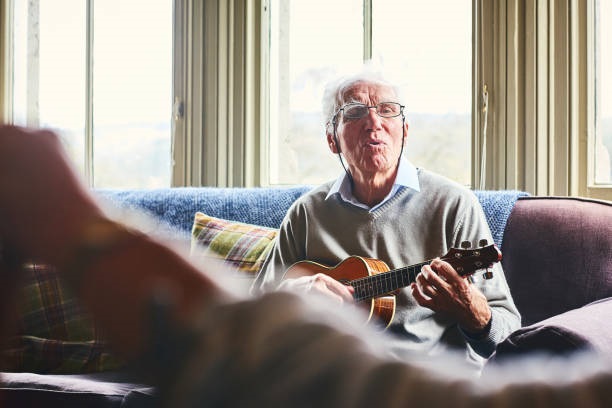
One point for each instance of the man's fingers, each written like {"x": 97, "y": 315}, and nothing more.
{"x": 430, "y": 273}
{"x": 420, "y": 297}
{"x": 424, "y": 285}
{"x": 447, "y": 273}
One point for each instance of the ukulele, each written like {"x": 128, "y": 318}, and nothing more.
{"x": 374, "y": 283}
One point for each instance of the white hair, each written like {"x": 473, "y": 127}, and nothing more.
{"x": 334, "y": 93}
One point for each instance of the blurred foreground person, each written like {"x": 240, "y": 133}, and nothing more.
{"x": 203, "y": 346}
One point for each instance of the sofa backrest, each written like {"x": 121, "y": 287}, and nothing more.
{"x": 557, "y": 254}
{"x": 177, "y": 206}
{"x": 262, "y": 206}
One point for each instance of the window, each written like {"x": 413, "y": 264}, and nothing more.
{"x": 100, "y": 74}
{"x": 248, "y": 78}
{"x": 303, "y": 60}
{"x": 414, "y": 41}
{"x": 603, "y": 91}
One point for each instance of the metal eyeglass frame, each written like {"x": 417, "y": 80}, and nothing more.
{"x": 368, "y": 107}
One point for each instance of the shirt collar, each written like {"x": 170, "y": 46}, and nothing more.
{"x": 407, "y": 176}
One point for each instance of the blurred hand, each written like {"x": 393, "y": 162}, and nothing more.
{"x": 42, "y": 200}
{"x": 320, "y": 284}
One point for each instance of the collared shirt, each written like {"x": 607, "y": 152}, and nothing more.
{"x": 407, "y": 177}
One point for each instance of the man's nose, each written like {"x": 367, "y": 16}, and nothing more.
{"x": 373, "y": 119}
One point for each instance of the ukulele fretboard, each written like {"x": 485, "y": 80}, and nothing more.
{"x": 383, "y": 283}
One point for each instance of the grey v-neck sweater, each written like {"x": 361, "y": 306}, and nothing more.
{"x": 411, "y": 227}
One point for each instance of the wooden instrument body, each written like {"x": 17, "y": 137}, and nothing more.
{"x": 350, "y": 269}
{"x": 375, "y": 285}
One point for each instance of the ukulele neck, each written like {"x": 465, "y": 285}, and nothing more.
{"x": 383, "y": 283}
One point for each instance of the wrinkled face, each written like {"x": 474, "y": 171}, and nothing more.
{"x": 372, "y": 144}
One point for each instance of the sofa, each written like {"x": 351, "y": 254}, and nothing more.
{"x": 557, "y": 256}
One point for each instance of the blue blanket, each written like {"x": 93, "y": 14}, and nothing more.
{"x": 177, "y": 206}
{"x": 262, "y": 206}
{"x": 497, "y": 206}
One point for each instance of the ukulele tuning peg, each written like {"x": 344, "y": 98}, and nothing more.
{"x": 483, "y": 242}
{"x": 466, "y": 244}
{"x": 488, "y": 274}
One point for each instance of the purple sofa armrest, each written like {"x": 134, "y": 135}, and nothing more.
{"x": 584, "y": 329}
{"x": 557, "y": 255}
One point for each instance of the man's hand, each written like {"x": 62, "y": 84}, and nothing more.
{"x": 320, "y": 284}
{"x": 440, "y": 288}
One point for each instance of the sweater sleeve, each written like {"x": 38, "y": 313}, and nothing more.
{"x": 505, "y": 317}
{"x": 287, "y": 250}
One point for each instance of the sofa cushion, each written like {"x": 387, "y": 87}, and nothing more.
{"x": 54, "y": 334}
{"x": 241, "y": 246}
{"x": 556, "y": 254}
{"x": 581, "y": 329}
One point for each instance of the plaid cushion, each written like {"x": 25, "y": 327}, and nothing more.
{"x": 54, "y": 334}
{"x": 241, "y": 246}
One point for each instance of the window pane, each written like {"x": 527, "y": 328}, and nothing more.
{"x": 603, "y": 138}
{"x": 427, "y": 44}
{"x": 49, "y": 75}
{"x": 410, "y": 39}
{"x": 132, "y": 87}
{"x": 311, "y": 41}
{"x": 132, "y": 93}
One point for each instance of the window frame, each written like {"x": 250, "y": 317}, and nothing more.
{"x": 6, "y": 75}
{"x": 220, "y": 116}
{"x": 6, "y": 89}
{"x": 540, "y": 122}
{"x": 541, "y": 89}
{"x": 587, "y": 186}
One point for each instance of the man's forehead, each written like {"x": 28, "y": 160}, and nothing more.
{"x": 368, "y": 90}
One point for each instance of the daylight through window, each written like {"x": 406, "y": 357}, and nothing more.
{"x": 414, "y": 42}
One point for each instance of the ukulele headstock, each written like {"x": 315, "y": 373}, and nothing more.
{"x": 467, "y": 260}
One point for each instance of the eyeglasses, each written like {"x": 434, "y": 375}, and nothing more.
{"x": 383, "y": 109}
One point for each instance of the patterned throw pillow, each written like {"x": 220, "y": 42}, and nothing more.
{"x": 241, "y": 246}
{"x": 54, "y": 333}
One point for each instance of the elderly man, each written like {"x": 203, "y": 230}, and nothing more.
{"x": 385, "y": 208}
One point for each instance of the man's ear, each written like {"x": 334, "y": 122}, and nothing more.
{"x": 405, "y": 130}
{"x": 331, "y": 142}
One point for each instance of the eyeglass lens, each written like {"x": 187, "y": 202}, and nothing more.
{"x": 384, "y": 109}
